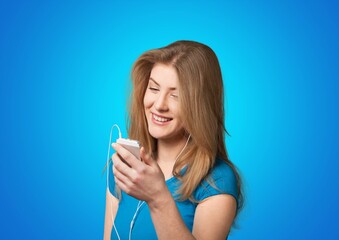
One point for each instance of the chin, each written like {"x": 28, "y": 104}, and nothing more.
{"x": 161, "y": 135}
{"x": 156, "y": 134}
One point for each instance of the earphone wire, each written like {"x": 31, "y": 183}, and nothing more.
{"x": 176, "y": 158}
{"x": 140, "y": 203}
{"x": 107, "y": 173}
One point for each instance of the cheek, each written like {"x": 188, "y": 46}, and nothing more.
{"x": 175, "y": 109}
{"x": 178, "y": 115}
{"x": 147, "y": 101}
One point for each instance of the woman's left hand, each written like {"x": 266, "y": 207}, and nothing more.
{"x": 143, "y": 180}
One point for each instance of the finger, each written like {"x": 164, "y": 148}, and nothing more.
{"x": 120, "y": 176}
{"x": 120, "y": 184}
{"x": 127, "y": 186}
{"x": 127, "y": 156}
{"x": 121, "y": 166}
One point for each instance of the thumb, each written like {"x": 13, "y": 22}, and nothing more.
{"x": 145, "y": 157}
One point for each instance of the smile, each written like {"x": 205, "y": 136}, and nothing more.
{"x": 160, "y": 119}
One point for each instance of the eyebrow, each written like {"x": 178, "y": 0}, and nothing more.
{"x": 151, "y": 79}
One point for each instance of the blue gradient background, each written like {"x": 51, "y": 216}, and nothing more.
{"x": 64, "y": 76}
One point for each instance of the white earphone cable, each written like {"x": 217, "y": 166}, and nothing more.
{"x": 140, "y": 203}
{"x": 107, "y": 173}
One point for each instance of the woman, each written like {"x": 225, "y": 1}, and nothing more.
{"x": 184, "y": 187}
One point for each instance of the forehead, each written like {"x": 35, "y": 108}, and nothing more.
{"x": 164, "y": 75}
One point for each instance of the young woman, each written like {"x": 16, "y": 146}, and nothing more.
{"x": 185, "y": 186}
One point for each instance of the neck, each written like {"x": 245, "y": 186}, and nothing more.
{"x": 168, "y": 151}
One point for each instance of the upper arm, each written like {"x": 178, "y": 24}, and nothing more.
{"x": 214, "y": 217}
{"x": 112, "y": 204}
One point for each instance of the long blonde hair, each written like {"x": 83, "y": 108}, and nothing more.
{"x": 202, "y": 110}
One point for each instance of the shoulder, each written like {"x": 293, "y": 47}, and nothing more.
{"x": 222, "y": 171}
{"x": 222, "y": 179}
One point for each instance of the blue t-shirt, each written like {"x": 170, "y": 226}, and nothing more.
{"x": 224, "y": 182}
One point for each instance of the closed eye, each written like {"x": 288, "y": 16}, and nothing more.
{"x": 153, "y": 89}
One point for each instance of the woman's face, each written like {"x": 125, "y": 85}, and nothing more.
{"x": 161, "y": 103}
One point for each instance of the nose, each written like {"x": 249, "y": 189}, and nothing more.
{"x": 161, "y": 103}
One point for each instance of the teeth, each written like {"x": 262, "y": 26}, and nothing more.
{"x": 160, "y": 119}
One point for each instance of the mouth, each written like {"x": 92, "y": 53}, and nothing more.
{"x": 160, "y": 119}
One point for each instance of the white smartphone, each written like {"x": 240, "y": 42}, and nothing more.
{"x": 131, "y": 145}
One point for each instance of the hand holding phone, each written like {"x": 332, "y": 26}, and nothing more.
{"x": 131, "y": 145}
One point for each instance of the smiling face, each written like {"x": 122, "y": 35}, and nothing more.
{"x": 161, "y": 103}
